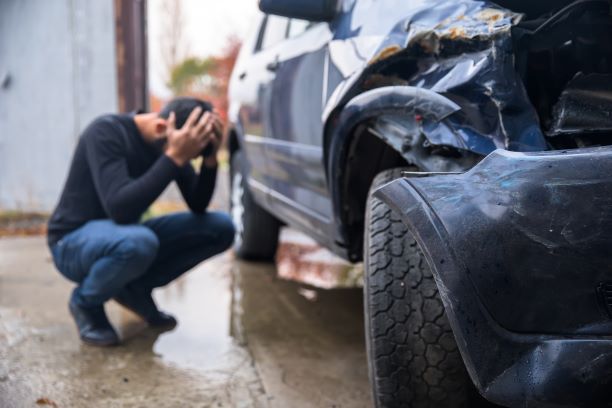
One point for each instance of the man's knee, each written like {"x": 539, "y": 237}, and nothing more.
{"x": 221, "y": 225}
{"x": 226, "y": 229}
{"x": 138, "y": 243}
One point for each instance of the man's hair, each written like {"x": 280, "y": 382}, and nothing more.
{"x": 182, "y": 108}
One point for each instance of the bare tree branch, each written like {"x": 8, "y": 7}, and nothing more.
{"x": 173, "y": 44}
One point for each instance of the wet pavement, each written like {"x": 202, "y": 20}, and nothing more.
{"x": 246, "y": 337}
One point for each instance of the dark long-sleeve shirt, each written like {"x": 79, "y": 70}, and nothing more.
{"x": 116, "y": 175}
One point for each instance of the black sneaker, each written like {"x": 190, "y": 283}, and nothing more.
{"x": 93, "y": 325}
{"x": 142, "y": 303}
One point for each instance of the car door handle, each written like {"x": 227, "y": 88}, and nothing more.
{"x": 273, "y": 66}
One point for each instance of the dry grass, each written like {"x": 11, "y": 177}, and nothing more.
{"x": 17, "y": 223}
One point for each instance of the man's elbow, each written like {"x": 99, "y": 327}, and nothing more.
{"x": 198, "y": 206}
{"x": 119, "y": 215}
{"x": 121, "y": 219}
{"x": 198, "y": 209}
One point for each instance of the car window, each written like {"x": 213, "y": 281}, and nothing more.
{"x": 274, "y": 32}
{"x": 297, "y": 27}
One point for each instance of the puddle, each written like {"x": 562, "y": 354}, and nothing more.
{"x": 301, "y": 259}
{"x": 206, "y": 301}
{"x": 245, "y": 337}
{"x": 201, "y": 300}
{"x": 307, "y": 343}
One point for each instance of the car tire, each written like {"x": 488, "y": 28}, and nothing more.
{"x": 256, "y": 230}
{"x": 412, "y": 355}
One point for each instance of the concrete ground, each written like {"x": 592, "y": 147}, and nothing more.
{"x": 246, "y": 338}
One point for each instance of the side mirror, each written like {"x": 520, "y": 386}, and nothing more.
{"x": 311, "y": 10}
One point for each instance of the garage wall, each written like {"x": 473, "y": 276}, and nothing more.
{"x": 57, "y": 72}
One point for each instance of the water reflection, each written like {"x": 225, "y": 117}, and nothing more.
{"x": 207, "y": 301}
{"x": 201, "y": 302}
{"x": 300, "y": 259}
{"x": 307, "y": 342}
{"x": 245, "y": 338}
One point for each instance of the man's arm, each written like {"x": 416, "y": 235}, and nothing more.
{"x": 197, "y": 190}
{"x": 124, "y": 199}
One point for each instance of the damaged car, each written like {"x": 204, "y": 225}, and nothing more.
{"x": 461, "y": 149}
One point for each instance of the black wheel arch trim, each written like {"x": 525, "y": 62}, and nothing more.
{"x": 508, "y": 366}
{"x": 422, "y": 105}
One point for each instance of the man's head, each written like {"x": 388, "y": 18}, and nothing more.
{"x": 182, "y": 108}
{"x": 153, "y": 126}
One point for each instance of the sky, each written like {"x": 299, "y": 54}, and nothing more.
{"x": 208, "y": 24}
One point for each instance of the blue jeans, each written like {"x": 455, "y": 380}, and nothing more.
{"x": 102, "y": 257}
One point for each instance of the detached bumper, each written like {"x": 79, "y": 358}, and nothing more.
{"x": 521, "y": 248}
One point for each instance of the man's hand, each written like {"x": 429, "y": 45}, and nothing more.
{"x": 210, "y": 160}
{"x": 187, "y": 143}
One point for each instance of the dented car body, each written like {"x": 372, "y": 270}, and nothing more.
{"x": 520, "y": 249}
{"x": 502, "y": 111}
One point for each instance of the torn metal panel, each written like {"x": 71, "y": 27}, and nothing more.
{"x": 462, "y": 50}
{"x": 530, "y": 230}
{"x": 398, "y": 115}
{"x": 435, "y": 30}
{"x": 584, "y": 106}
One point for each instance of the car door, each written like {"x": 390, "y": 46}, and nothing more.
{"x": 294, "y": 136}
{"x": 251, "y": 95}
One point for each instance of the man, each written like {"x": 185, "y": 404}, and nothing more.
{"x": 121, "y": 165}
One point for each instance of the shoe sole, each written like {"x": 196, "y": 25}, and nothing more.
{"x": 162, "y": 327}
{"x": 100, "y": 343}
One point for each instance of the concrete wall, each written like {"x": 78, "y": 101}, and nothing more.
{"x": 57, "y": 72}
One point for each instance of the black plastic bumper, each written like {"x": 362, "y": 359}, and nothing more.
{"x": 520, "y": 247}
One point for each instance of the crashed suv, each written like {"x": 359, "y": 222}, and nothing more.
{"x": 460, "y": 149}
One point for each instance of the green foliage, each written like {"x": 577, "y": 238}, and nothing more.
{"x": 191, "y": 74}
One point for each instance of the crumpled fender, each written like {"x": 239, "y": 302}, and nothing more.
{"x": 465, "y": 53}
{"x": 417, "y": 105}
{"x": 520, "y": 250}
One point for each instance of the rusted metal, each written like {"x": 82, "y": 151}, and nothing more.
{"x": 131, "y": 51}
{"x": 385, "y": 53}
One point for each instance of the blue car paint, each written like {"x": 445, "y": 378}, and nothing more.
{"x": 460, "y": 90}
{"x": 286, "y": 99}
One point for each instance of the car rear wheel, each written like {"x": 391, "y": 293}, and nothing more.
{"x": 412, "y": 355}
{"x": 256, "y": 229}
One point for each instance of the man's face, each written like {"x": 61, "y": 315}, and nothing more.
{"x": 160, "y": 133}
{"x": 160, "y": 143}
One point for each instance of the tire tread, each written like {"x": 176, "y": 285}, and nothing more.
{"x": 413, "y": 357}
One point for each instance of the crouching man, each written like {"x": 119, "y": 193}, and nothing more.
{"x": 121, "y": 165}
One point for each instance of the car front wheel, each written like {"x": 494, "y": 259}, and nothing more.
{"x": 412, "y": 355}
